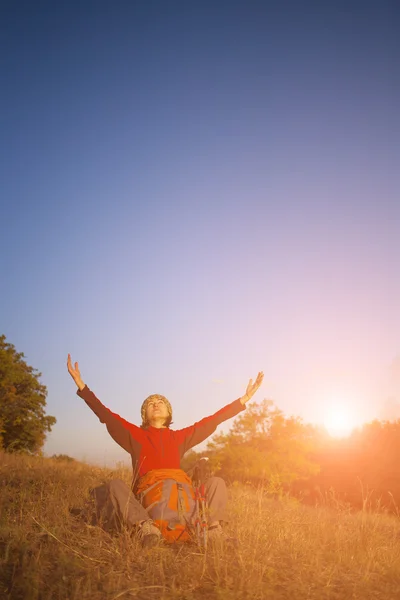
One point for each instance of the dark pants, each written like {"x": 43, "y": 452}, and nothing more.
{"x": 116, "y": 505}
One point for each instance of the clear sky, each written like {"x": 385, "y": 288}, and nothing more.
{"x": 194, "y": 191}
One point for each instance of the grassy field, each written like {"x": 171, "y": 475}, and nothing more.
{"x": 285, "y": 551}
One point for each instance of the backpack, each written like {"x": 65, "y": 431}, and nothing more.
{"x": 169, "y": 498}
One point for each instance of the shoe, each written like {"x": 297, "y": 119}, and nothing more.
{"x": 150, "y": 534}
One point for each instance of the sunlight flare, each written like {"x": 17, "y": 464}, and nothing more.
{"x": 339, "y": 420}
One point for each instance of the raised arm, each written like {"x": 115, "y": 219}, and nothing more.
{"x": 126, "y": 434}
{"x": 195, "y": 434}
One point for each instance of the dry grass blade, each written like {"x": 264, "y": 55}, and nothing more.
{"x": 138, "y": 589}
{"x": 64, "y": 544}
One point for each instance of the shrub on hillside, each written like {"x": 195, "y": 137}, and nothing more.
{"x": 63, "y": 457}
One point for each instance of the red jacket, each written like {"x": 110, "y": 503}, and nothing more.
{"x": 153, "y": 448}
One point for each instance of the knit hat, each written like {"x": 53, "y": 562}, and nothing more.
{"x": 144, "y": 407}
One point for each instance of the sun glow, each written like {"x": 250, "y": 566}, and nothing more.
{"x": 339, "y": 421}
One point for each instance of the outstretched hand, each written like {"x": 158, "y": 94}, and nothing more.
{"x": 75, "y": 373}
{"x": 252, "y": 388}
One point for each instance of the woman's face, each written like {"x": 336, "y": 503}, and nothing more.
{"x": 156, "y": 410}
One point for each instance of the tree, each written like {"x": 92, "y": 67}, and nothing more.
{"x": 263, "y": 445}
{"x": 23, "y": 423}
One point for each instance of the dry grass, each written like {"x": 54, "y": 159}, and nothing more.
{"x": 286, "y": 550}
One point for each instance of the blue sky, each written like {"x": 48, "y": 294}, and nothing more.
{"x": 192, "y": 192}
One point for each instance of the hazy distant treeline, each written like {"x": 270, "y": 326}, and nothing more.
{"x": 286, "y": 455}
{"x": 362, "y": 470}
